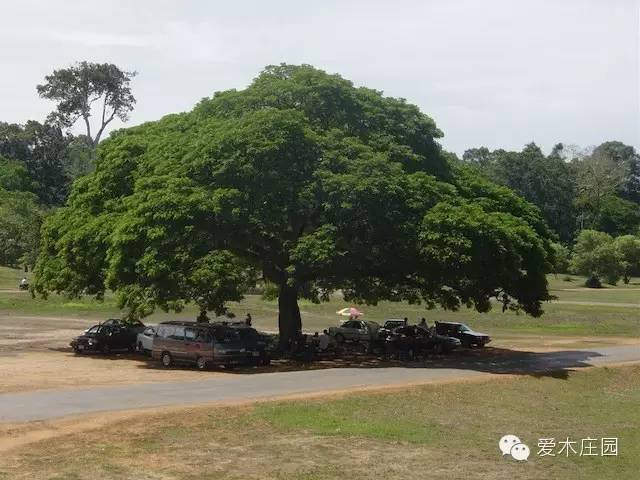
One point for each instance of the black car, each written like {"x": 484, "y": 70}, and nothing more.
{"x": 466, "y": 335}
{"x": 254, "y": 341}
{"x": 105, "y": 338}
{"x": 389, "y": 326}
{"x": 412, "y": 340}
{"x": 136, "y": 325}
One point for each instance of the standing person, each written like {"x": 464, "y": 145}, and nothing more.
{"x": 406, "y": 321}
{"x": 423, "y": 323}
{"x": 324, "y": 340}
{"x": 248, "y": 320}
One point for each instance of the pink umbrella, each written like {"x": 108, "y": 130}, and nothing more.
{"x": 350, "y": 312}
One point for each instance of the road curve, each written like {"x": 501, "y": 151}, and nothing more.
{"x": 46, "y": 405}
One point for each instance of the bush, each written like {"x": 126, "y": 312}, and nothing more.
{"x": 593, "y": 282}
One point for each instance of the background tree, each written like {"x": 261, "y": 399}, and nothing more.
{"x": 87, "y": 87}
{"x": 545, "y": 181}
{"x": 561, "y": 258}
{"x": 629, "y": 247}
{"x": 628, "y": 161}
{"x": 20, "y": 220}
{"x": 312, "y": 183}
{"x": 595, "y": 254}
{"x": 42, "y": 150}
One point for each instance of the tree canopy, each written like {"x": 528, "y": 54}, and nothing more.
{"x": 77, "y": 89}
{"x": 306, "y": 181}
{"x": 575, "y": 190}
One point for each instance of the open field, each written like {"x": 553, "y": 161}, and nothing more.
{"x": 434, "y": 431}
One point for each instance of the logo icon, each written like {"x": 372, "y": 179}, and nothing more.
{"x": 511, "y": 445}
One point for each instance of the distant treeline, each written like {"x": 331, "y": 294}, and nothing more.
{"x": 596, "y": 188}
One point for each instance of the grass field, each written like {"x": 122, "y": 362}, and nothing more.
{"x": 447, "y": 431}
{"x": 601, "y": 319}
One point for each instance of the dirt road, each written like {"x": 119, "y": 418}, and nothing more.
{"x": 44, "y": 405}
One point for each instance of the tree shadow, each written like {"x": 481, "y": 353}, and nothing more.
{"x": 500, "y": 361}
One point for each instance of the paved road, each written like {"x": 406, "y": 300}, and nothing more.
{"x": 44, "y": 405}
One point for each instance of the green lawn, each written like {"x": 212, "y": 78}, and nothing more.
{"x": 446, "y": 431}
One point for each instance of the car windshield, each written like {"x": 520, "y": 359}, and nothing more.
{"x": 464, "y": 328}
{"x": 95, "y": 329}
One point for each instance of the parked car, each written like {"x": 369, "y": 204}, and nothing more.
{"x": 255, "y": 341}
{"x": 144, "y": 342}
{"x": 389, "y": 326}
{"x": 105, "y": 338}
{"x": 355, "y": 330}
{"x": 412, "y": 340}
{"x": 204, "y": 345}
{"x": 134, "y": 325}
{"x": 466, "y": 335}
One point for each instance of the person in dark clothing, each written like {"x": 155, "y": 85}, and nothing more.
{"x": 248, "y": 320}
{"x": 423, "y": 323}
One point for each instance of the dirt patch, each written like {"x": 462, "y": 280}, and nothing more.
{"x": 57, "y": 370}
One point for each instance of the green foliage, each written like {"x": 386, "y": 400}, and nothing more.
{"x": 14, "y": 176}
{"x": 562, "y": 256}
{"x": 542, "y": 180}
{"x": 595, "y": 254}
{"x": 306, "y": 180}
{"x": 20, "y": 220}
{"x": 41, "y": 149}
{"x": 616, "y": 216}
{"x": 629, "y": 247}
{"x": 77, "y": 88}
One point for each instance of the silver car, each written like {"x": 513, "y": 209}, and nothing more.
{"x": 355, "y": 330}
{"x": 144, "y": 343}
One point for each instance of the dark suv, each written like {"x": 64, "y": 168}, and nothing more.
{"x": 412, "y": 340}
{"x": 204, "y": 345}
{"x": 105, "y": 338}
{"x": 466, "y": 335}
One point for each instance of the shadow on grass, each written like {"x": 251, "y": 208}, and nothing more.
{"x": 556, "y": 364}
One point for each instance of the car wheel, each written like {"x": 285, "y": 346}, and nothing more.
{"x": 166, "y": 359}
{"x": 106, "y": 349}
{"x": 201, "y": 363}
{"x": 340, "y": 338}
{"x": 77, "y": 351}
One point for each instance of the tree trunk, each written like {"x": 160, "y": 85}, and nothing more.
{"x": 289, "y": 321}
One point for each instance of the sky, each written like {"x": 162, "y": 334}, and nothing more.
{"x": 495, "y": 73}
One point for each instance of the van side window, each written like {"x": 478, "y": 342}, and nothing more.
{"x": 165, "y": 331}
{"x": 202, "y": 335}
{"x": 189, "y": 334}
{"x": 178, "y": 334}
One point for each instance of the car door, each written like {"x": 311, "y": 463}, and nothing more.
{"x": 119, "y": 338}
{"x": 177, "y": 343}
{"x": 364, "y": 333}
{"x": 350, "y": 330}
{"x": 191, "y": 344}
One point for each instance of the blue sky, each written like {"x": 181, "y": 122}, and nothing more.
{"x": 499, "y": 73}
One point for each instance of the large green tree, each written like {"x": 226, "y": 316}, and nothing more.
{"x": 312, "y": 183}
